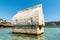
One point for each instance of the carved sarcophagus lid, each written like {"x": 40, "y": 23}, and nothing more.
{"x": 29, "y": 16}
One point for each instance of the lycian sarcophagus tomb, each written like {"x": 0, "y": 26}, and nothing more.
{"x": 30, "y": 20}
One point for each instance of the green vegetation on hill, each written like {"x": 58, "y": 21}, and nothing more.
{"x": 3, "y": 21}
{"x": 53, "y": 23}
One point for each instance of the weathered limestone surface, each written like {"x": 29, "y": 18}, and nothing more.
{"x": 28, "y": 31}
{"x": 30, "y": 16}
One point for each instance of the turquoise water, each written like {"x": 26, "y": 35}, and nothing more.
{"x": 49, "y": 34}
{"x": 26, "y": 37}
{"x": 5, "y": 34}
{"x": 52, "y": 34}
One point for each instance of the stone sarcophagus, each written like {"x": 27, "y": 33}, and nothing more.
{"x": 29, "y": 16}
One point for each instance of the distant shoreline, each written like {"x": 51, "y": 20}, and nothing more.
{"x": 52, "y": 27}
{"x": 52, "y": 24}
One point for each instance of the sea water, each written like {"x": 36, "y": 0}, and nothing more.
{"x": 49, "y": 34}
{"x": 52, "y": 33}
{"x": 6, "y": 34}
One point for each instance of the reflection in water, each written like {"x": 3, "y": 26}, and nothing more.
{"x": 49, "y": 34}
{"x": 26, "y": 37}
{"x": 6, "y": 34}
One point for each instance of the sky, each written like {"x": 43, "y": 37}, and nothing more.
{"x": 51, "y": 8}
